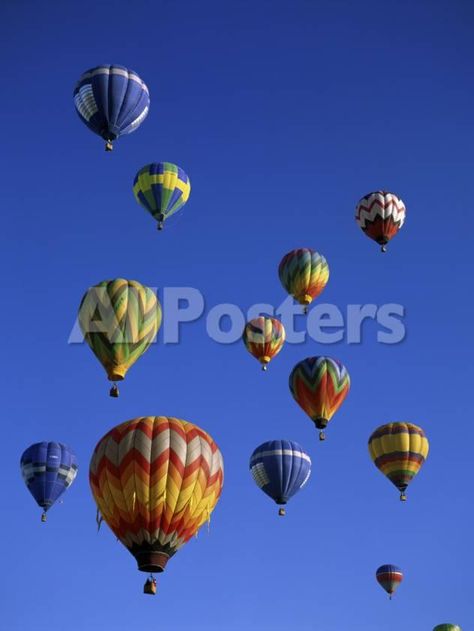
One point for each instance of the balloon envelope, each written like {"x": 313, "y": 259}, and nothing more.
{"x": 156, "y": 480}
{"x": 380, "y": 215}
{"x": 162, "y": 188}
{"x": 120, "y": 319}
{"x": 111, "y": 100}
{"x": 399, "y": 450}
{"x": 48, "y": 469}
{"x": 319, "y": 385}
{"x": 280, "y": 468}
{"x": 389, "y": 577}
{"x": 447, "y": 627}
{"x": 264, "y": 338}
{"x": 304, "y": 274}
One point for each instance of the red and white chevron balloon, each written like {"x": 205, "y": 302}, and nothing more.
{"x": 380, "y": 215}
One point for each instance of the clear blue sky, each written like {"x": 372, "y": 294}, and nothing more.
{"x": 283, "y": 114}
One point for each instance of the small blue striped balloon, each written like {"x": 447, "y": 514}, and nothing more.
{"x": 112, "y": 101}
{"x": 280, "y": 468}
{"x": 48, "y": 469}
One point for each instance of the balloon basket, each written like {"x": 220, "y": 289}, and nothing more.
{"x": 114, "y": 391}
{"x": 322, "y": 436}
{"x": 43, "y": 518}
{"x": 109, "y": 146}
{"x": 150, "y": 586}
{"x": 282, "y": 512}
{"x": 403, "y": 497}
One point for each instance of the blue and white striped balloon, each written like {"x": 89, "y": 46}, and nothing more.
{"x": 48, "y": 469}
{"x": 111, "y": 101}
{"x": 280, "y": 468}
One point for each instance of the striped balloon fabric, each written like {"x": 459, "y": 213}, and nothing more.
{"x": 280, "y": 468}
{"x": 119, "y": 319}
{"x": 156, "y": 480}
{"x": 264, "y": 338}
{"x": 447, "y": 627}
{"x": 111, "y": 101}
{"x": 319, "y": 385}
{"x": 304, "y": 274}
{"x": 48, "y": 469}
{"x": 398, "y": 450}
{"x": 389, "y": 577}
{"x": 380, "y": 215}
{"x": 161, "y": 188}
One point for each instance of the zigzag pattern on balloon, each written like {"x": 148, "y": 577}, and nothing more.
{"x": 162, "y": 188}
{"x": 380, "y": 215}
{"x": 156, "y": 480}
{"x": 319, "y": 385}
{"x": 120, "y": 319}
{"x": 304, "y": 274}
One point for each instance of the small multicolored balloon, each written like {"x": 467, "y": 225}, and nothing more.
{"x": 389, "y": 577}
{"x": 399, "y": 450}
{"x": 380, "y": 215}
{"x": 162, "y": 188}
{"x": 304, "y": 274}
{"x": 48, "y": 469}
{"x": 280, "y": 468}
{"x": 264, "y": 338}
{"x": 447, "y": 627}
{"x": 119, "y": 319}
{"x": 112, "y": 101}
{"x": 319, "y": 385}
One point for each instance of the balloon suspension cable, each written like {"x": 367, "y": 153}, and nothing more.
{"x": 114, "y": 391}
{"x": 43, "y": 517}
{"x": 322, "y": 435}
{"x": 161, "y": 221}
{"x": 403, "y": 497}
{"x": 109, "y": 146}
{"x": 390, "y": 596}
{"x": 282, "y": 512}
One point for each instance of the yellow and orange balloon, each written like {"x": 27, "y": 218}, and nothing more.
{"x": 399, "y": 450}
{"x": 264, "y": 338}
{"x": 156, "y": 481}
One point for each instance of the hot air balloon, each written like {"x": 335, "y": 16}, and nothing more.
{"x": 112, "y": 101}
{"x": 447, "y": 627}
{"x": 319, "y": 385}
{"x": 389, "y": 577}
{"x": 280, "y": 468}
{"x": 156, "y": 481}
{"x": 304, "y": 274}
{"x": 380, "y": 215}
{"x": 161, "y": 188}
{"x": 399, "y": 450}
{"x": 119, "y": 319}
{"x": 48, "y": 469}
{"x": 264, "y": 338}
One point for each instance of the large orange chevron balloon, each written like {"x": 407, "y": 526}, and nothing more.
{"x": 156, "y": 480}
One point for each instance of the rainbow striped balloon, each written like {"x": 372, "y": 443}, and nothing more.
{"x": 119, "y": 319}
{"x": 156, "y": 481}
{"x": 162, "y": 188}
{"x": 304, "y": 274}
{"x": 398, "y": 450}
{"x": 319, "y": 385}
{"x": 264, "y": 338}
{"x": 389, "y": 577}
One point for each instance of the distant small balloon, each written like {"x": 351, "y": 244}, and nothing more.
{"x": 389, "y": 577}
{"x": 264, "y": 338}
{"x": 48, "y": 469}
{"x": 280, "y": 468}
{"x": 112, "y": 101}
{"x": 447, "y": 627}
{"x": 380, "y": 215}
{"x": 304, "y": 274}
